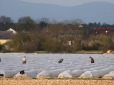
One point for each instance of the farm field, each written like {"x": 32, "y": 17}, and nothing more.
{"x": 25, "y": 81}
{"x": 73, "y": 65}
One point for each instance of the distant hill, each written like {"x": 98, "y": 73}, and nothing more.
{"x": 89, "y": 12}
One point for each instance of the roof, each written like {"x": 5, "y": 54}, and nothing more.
{"x": 6, "y": 34}
{"x": 104, "y": 30}
{"x": 111, "y": 29}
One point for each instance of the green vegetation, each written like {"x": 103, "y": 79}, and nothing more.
{"x": 1, "y": 47}
{"x": 54, "y": 37}
{"x": 23, "y": 42}
{"x": 79, "y": 78}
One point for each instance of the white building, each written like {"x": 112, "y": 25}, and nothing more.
{"x": 10, "y": 29}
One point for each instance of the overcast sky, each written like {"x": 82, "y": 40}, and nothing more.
{"x": 67, "y": 2}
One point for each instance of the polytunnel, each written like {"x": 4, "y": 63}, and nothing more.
{"x": 65, "y": 74}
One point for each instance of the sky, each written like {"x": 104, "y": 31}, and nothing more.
{"x": 68, "y": 3}
{"x": 103, "y": 12}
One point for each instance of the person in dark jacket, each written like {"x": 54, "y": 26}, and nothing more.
{"x": 22, "y": 72}
{"x": 92, "y": 60}
{"x": 60, "y": 61}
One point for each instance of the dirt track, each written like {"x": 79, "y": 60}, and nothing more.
{"x": 8, "y": 81}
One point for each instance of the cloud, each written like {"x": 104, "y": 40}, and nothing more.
{"x": 66, "y": 2}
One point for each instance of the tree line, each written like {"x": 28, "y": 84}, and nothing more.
{"x": 29, "y": 24}
{"x": 53, "y": 36}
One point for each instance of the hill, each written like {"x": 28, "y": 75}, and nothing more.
{"x": 89, "y": 12}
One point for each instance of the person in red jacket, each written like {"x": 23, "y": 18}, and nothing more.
{"x": 92, "y": 60}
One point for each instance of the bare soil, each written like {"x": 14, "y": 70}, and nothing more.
{"x": 44, "y": 81}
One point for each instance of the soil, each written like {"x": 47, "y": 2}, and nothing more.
{"x": 44, "y": 81}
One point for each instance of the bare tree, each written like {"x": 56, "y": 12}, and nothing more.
{"x": 43, "y": 22}
{"x": 5, "y": 22}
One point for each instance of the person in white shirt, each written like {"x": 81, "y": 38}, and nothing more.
{"x": 24, "y": 60}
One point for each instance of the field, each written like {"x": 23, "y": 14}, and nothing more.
{"x": 25, "y": 81}
{"x": 74, "y": 67}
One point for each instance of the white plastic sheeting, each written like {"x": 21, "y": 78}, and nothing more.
{"x": 65, "y": 74}
{"x": 87, "y": 74}
{"x": 9, "y": 73}
{"x": 96, "y": 74}
{"x": 18, "y": 74}
{"x": 77, "y": 73}
{"x": 44, "y": 73}
{"x": 74, "y": 65}
{"x": 110, "y": 74}
{"x": 55, "y": 73}
{"x": 31, "y": 73}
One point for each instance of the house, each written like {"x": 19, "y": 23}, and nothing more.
{"x": 10, "y": 29}
{"x": 5, "y": 36}
{"x": 109, "y": 31}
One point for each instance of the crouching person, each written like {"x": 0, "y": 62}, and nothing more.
{"x": 22, "y": 72}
